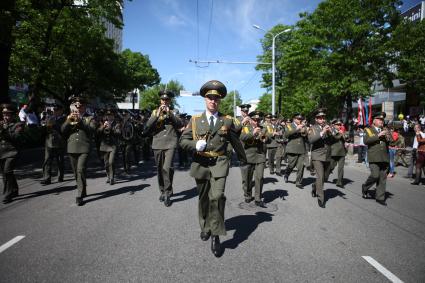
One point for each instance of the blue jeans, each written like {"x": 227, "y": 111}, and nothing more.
{"x": 392, "y": 152}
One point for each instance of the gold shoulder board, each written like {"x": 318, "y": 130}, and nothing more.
{"x": 245, "y": 130}
{"x": 369, "y": 132}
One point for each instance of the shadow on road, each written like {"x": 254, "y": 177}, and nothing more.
{"x": 188, "y": 194}
{"x": 244, "y": 225}
{"x": 372, "y": 194}
{"x": 270, "y": 180}
{"x": 308, "y": 181}
{"x": 333, "y": 193}
{"x": 270, "y": 196}
{"x": 115, "y": 192}
{"x": 56, "y": 191}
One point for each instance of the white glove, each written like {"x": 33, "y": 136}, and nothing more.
{"x": 200, "y": 145}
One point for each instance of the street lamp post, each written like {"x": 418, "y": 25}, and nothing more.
{"x": 273, "y": 64}
{"x": 133, "y": 97}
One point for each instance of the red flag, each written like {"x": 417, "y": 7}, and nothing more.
{"x": 360, "y": 113}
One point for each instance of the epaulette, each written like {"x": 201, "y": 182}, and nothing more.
{"x": 154, "y": 112}
{"x": 245, "y": 129}
{"x": 369, "y": 132}
{"x": 236, "y": 121}
{"x": 197, "y": 116}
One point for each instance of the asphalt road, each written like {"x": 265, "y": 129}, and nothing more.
{"x": 124, "y": 234}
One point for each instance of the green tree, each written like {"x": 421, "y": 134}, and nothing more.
{"x": 226, "y": 104}
{"x": 333, "y": 55}
{"x": 265, "y": 104}
{"x": 60, "y": 48}
{"x": 150, "y": 96}
{"x": 139, "y": 70}
{"x": 408, "y": 45}
{"x": 266, "y": 43}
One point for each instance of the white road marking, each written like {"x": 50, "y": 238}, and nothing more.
{"x": 11, "y": 243}
{"x": 382, "y": 269}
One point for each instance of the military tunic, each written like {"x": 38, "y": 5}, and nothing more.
{"x": 78, "y": 147}
{"x": 377, "y": 155}
{"x": 211, "y": 166}
{"x": 280, "y": 152}
{"x": 10, "y": 133}
{"x": 338, "y": 152}
{"x": 109, "y": 139}
{"x": 271, "y": 146}
{"x": 128, "y": 142}
{"x": 243, "y": 167}
{"x": 54, "y": 148}
{"x": 295, "y": 152}
{"x": 256, "y": 157}
{"x": 320, "y": 157}
{"x": 164, "y": 129}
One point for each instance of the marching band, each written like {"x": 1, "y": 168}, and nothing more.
{"x": 257, "y": 138}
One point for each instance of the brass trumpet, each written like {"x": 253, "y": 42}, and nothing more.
{"x": 107, "y": 127}
{"x": 74, "y": 117}
{"x": 247, "y": 122}
{"x": 332, "y": 130}
{"x": 261, "y": 136}
{"x": 387, "y": 136}
{"x": 163, "y": 111}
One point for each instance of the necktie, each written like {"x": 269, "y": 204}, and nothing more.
{"x": 211, "y": 123}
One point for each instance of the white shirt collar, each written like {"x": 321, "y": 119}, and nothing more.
{"x": 215, "y": 115}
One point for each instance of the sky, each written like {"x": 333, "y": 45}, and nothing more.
{"x": 172, "y": 32}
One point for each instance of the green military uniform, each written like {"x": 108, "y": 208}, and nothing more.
{"x": 109, "y": 138}
{"x": 295, "y": 151}
{"x": 164, "y": 127}
{"x": 338, "y": 152}
{"x": 254, "y": 146}
{"x": 127, "y": 141}
{"x": 238, "y": 128}
{"x": 54, "y": 148}
{"x": 271, "y": 146}
{"x": 320, "y": 157}
{"x": 10, "y": 133}
{"x": 280, "y": 152}
{"x": 377, "y": 155}
{"x": 79, "y": 134}
{"x": 209, "y": 138}
{"x": 99, "y": 119}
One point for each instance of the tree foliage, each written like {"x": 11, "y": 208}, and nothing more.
{"x": 226, "y": 104}
{"x": 139, "y": 70}
{"x": 60, "y": 49}
{"x": 265, "y": 104}
{"x": 408, "y": 45}
{"x": 333, "y": 55}
{"x": 150, "y": 96}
